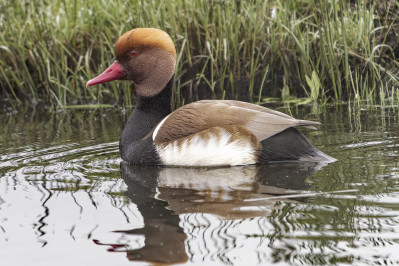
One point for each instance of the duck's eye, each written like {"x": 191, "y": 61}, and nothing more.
{"x": 133, "y": 53}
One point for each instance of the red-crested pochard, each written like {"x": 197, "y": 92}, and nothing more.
{"x": 203, "y": 133}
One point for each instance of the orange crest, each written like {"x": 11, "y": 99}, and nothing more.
{"x": 144, "y": 37}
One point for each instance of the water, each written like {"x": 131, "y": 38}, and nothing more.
{"x": 67, "y": 199}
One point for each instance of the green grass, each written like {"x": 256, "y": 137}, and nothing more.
{"x": 250, "y": 50}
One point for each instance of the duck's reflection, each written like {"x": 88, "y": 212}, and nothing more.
{"x": 161, "y": 194}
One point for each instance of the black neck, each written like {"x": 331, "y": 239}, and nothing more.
{"x": 158, "y": 103}
{"x": 148, "y": 112}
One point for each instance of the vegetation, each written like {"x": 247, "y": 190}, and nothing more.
{"x": 318, "y": 50}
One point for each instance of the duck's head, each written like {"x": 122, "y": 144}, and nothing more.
{"x": 146, "y": 56}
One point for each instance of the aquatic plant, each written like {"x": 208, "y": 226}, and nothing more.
{"x": 317, "y": 49}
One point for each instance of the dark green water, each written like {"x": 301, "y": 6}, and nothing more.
{"x": 67, "y": 199}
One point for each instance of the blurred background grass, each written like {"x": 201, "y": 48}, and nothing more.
{"x": 296, "y": 50}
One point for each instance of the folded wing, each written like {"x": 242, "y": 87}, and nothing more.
{"x": 202, "y": 115}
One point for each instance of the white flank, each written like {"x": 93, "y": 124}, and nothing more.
{"x": 214, "y": 151}
{"x": 158, "y": 127}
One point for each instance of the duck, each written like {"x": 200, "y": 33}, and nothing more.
{"x": 200, "y": 134}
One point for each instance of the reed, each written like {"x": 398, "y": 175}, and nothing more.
{"x": 250, "y": 50}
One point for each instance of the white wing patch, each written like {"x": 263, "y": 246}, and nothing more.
{"x": 217, "y": 150}
{"x": 158, "y": 127}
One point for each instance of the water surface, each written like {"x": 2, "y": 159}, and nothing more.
{"x": 66, "y": 198}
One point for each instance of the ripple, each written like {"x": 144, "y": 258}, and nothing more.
{"x": 71, "y": 156}
{"x": 367, "y": 144}
{"x": 64, "y": 187}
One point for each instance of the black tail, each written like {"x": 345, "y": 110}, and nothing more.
{"x": 291, "y": 145}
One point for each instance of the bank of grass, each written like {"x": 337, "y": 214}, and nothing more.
{"x": 313, "y": 49}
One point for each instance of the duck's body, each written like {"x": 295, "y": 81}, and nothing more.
{"x": 204, "y": 133}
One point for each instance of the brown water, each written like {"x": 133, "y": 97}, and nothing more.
{"x": 67, "y": 199}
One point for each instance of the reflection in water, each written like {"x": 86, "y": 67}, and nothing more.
{"x": 161, "y": 194}
{"x": 61, "y": 190}
{"x": 164, "y": 239}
